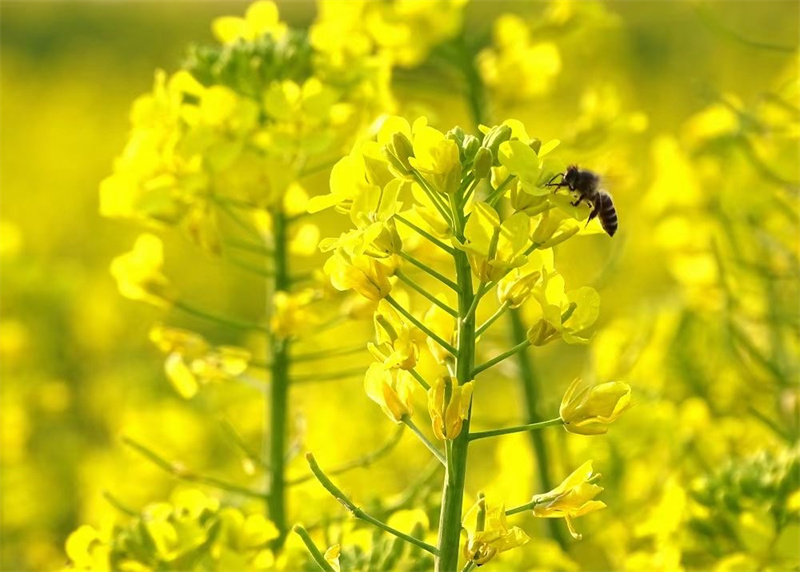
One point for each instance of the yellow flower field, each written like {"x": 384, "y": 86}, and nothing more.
{"x": 400, "y": 285}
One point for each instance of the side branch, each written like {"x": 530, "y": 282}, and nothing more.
{"x": 518, "y": 429}
{"x": 397, "y": 306}
{"x": 184, "y": 474}
{"x": 422, "y": 266}
{"x": 360, "y": 514}
{"x": 495, "y": 360}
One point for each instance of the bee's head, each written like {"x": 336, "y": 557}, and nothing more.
{"x": 571, "y": 174}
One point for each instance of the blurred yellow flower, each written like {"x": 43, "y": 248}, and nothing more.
{"x": 571, "y": 499}
{"x": 332, "y": 556}
{"x": 138, "y": 272}
{"x": 260, "y": 18}
{"x": 448, "y": 406}
{"x": 392, "y": 389}
{"x": 587, "y": 410}
{"x": 488, "y": 533}
{"x": 291, "y": 313}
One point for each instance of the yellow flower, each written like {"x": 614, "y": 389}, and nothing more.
{"x": 191, "y": 361}
{"x": 488, "y": 533}
{"x": 392, "y": 389}
{"x": 291, "y": 312}
{"x": 587, "y": 410}
{"x": 448, "y": 406}
{"x": 361, "y": 273}
{"x": 563, "y": 314}
{"x": 571, "y": 499}
{"x": 396, "y": 346}
{"x": 332, "y": 556}
{"x": 443, "y": 325}
{"x": 259, "y": 19}
{"x": 517, "y": 286}
{"x": 435, "y": 157}
{"x": 138, "y": 272}
{"x": 493, "y": 248}
{"x": 516, "y": 68}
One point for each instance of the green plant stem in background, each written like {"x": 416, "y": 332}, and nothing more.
{"x": 530, "y": 389}
{"x": 453, "y": 492}
{"x": 276, "y": 426}
{"x": 312, "y": 549}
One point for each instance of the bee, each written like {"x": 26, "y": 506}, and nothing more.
{"x": 587, "y": 184}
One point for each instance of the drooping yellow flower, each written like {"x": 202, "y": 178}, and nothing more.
{"x": 494, "y": 248}
{"x": 571, "y": 499}
{"x": 260, "y": 18}
{"x": 392, "y": 389}
{"x": 138, "y": 272}
{"x": 361, "y": 273}
{"x": 517, "y": 286}
{"x": 448, "y": 406}
{"x": 332, "y": 556}
{"x": 588, "y": 410}
{"x": 488, "y": 533}
{"x": 396, "y": 346}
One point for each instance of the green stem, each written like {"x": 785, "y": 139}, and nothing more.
{"x": 433, "y": 299}
{"x": 363, "y": 461}
{"x": 497, "y": 359}
{"x": 184, "y": 474}
{"x": 426, "y": 234}
{"x": 518, "y": 429}
{"x": 485, "y": 326}
{"x": 433, "y": 196}
{"x": 530, "y": 387}
{"x": 425, "y": 441}
{"x": 453, "y": 489}
{"x": 324, "y": 354}
{"x": 420, "y": 380}
{"x": 211, "y": 317}
{"x": 495, "y": 195}
{"x": 316, "y": 555}
{"x": 397, "y": 306}
{"x": 277, "y": 429}
{"x": 521, "y": 508}
{"x": 422, "y": 266}
{"x": 357, "y": 512}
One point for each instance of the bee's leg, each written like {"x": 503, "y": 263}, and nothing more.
{"x": 591, "y": 216}
{"x": 577, "y": 202}
{"x": 557, "y": 185}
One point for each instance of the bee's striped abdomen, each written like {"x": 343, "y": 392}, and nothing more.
{"x": 607, "y": 213}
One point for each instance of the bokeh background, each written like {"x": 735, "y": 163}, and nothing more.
{"x": 692, "y": 111}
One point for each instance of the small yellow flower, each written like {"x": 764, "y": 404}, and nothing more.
{"x": 448, "y": 406}
{"x": 571, "y": 499}
{"x": 361, "y": 273}
{"x": 563, "y": 314}
{"x": 436, "y": 157}
{"x": 138, "y": 272}
{"x": 517, "y": 286}
{"x": 396, "y": 346}
{"x": 494, "y": 248}
{"x": 332, "y": 556}
{"x": 291, "y": 312}
{"x": 488, "y": 533}
{"x": 588, "y": 410}
{"x": 392, "y": 389}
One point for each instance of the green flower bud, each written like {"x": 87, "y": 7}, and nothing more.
{"x": 482, "y": 165}
{"x": 456, "y": 134}
{"x": 497, "y": 135}
{"x": 470, "y": 146}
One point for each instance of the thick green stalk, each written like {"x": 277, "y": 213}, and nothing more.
{"x": 530, "y": 387}
{"x": 453, "y": 492}
{"x": 279, "y": 389}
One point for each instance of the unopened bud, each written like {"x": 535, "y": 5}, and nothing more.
{"x": 482, "y": 165}
{"x": 456, "y": 134}
{"x": 470, "y": 146}
{"x": 536, "y": 145}
{"x": 497, "y": 135}
{"x": 542, "y": 333}
{"x": 402, "y": 148}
